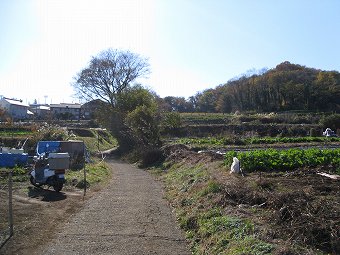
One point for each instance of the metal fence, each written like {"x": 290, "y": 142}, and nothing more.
{"x": 6, "y": 202}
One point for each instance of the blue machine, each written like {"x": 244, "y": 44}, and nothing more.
{"x": 11, "y": 160}
{"x": 48, "y": 147}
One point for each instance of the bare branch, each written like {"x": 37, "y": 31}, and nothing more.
{"x": 109, "y": 74}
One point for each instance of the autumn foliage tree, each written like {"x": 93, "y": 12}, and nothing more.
{"x": 4, "y": 116}
{"x": 284, "y": 88}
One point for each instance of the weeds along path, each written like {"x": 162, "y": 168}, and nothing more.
{"x": 129, "y": 216}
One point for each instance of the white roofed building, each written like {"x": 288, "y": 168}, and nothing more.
{"x": 40, "y": 111}
{"x": 16, "y": 108}
{"x": 65, "y": 111}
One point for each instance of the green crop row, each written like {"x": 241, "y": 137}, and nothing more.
{"x": 206, "y": 140}
{"x": 306, "y": 139}
{"x": 284, "y": 160}
{"x": 254, "y": 140}
{"x": 15, "y": 133}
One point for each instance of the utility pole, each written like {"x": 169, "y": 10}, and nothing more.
{"x": 98, "y": 139}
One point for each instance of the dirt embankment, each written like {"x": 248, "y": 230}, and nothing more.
{"x": 298, "y": 211}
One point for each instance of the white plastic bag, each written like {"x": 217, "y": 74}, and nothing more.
{"x": 235, "y": 166}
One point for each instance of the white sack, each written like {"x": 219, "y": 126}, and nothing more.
{"x": 235, "y": 166}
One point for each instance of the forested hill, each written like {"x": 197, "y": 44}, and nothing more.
{"x": 283, "y": 88}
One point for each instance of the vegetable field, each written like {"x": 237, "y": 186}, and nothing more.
{"x": 281, "y": 206}
{"x": 215, "y": 141}
{"x": 285, "y": 160}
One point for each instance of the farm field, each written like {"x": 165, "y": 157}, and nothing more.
{"x": 19, "y": 133}
{"x": 265, "y": 118}
{"x": 282, "y": 205}
{"x": 224, "y": 132}
{"x": 291, "y": 210}
{"x": 211, "y": 142}
{"x": 285, "y": 202}
{"x": 270, "y": 160}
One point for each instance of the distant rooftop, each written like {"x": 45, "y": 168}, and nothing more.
{"x": 14, "y": 101}
{"x": 41, "y": 107}
{"x": 65, "y": 105}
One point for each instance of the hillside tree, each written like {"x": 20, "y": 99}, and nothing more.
{"x": 109, "y": 77}
{"x": 110, "y": 73}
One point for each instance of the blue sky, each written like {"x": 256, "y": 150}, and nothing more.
{"x": 191, "y": 45}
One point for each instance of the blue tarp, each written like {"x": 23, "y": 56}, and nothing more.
{"x": 48, "y": 146}
{"x": 75, "y": 149}
{"x": 11, "y": 160}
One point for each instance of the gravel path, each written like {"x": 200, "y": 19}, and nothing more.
{"x": 129, "y": 217}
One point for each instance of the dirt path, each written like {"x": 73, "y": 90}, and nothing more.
{"x": 128, "y": 217}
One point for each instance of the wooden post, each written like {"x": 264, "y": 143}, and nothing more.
{"x": 84, "y": 180}
{"x": 10, "y": 203}
{"x": 84, "y": 170}
{"x": 98, "y": 140}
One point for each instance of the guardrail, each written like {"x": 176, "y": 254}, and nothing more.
{"x": 6, "y": 208}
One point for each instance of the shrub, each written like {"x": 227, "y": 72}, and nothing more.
{"x": 313, "y": 132}
{"x": 51, "y": 133}
{"x": 171, "y": 120}
{"x": 212, "y": 187}
{"x": 144, "y": 126}
{"x": 331, "y": 121}
{"x": 82, "y": 132}
{"x": 151, "y": 156}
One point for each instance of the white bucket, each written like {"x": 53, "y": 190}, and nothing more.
{"x": 5, "y": 149}
{"x": 16, "y": 151}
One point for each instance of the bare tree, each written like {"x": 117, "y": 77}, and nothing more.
{"x": 110, "y": 73}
